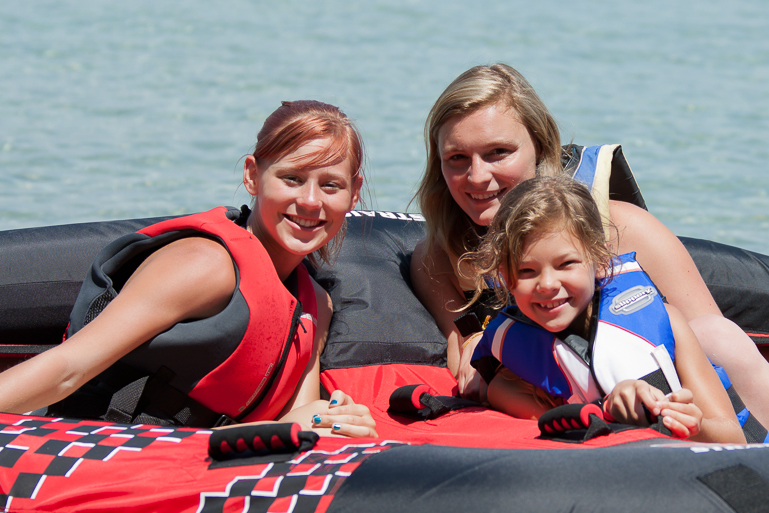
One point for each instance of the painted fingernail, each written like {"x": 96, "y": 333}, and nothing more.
{"x": 316, "y": 419}
{"x": 337, "y": 427}
{"x": 333, "y": 402}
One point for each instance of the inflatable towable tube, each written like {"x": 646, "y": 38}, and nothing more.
{"x": 377, "y": 312}
{"x": 74, "y": 466}
{"x": 52, "y": 465}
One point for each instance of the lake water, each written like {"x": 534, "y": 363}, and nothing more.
{"x": 115, "y": 110}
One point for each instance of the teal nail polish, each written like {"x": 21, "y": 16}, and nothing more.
{"x": 316, "y": 419}
{"x": 333, "y": 402}
{"x": 337, "y": 427}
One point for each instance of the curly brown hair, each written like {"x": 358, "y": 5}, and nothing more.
{"x": 534, "y": 208}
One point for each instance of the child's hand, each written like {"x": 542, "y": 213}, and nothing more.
{"x": 626, "y": 402}
{"x": 345, "y": 417}
{"x": 680, "y": 415}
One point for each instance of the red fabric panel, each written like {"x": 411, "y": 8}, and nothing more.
{"x": 469, "y": 427}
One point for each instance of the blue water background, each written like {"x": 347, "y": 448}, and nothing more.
{"x": 114, "y": 110}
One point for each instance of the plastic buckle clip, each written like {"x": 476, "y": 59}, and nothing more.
{"x": 224, "y": 420}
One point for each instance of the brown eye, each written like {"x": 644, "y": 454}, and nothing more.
{"x": 500, "y": 153}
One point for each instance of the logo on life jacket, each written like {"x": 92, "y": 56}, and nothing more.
{"x": 309, "y": 316}
{"x": 632, "y": 300}
{"x": 259, "y": 388}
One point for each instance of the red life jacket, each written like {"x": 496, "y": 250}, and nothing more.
{"x": 245, "y": 362}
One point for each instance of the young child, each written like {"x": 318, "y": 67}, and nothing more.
{"x": 586, "y": 326}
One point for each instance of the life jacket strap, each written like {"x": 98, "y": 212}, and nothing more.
{"x": 753, "y": 430}
{"x": 657, "y": 380}
{"x": 151, "y": 399}
{"x": 467, "y": 324}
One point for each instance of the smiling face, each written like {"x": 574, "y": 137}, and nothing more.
{"x": 297, "y": 209}
{"x": 484, "y": 155}
{"x": 556, "y": 281}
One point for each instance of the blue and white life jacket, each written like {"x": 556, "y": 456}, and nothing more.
{"x": 631, "y": 322}
{"x": 631, "y": 338}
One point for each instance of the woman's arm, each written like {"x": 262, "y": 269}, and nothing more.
{"x": 512, "y": 395}
{"x": 338, "y": 416}
{"x": 671, "y": 268}
{"x": 308, "y": 389}
{"x": 664, "y": 258}
{"x": 719, "y": 422}
{"x": 436, "y": 286}
{"x": 190, "y": 278}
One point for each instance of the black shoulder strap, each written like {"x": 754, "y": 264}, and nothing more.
{"x": 658, "y": 380}
{"x": 151, "y": 399}
{"x": 753, "y": 430}
{"x": 579, "y": 345}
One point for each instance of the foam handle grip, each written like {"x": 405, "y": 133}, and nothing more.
{"x": 256, "y": 440}
{"x": 568, "y": 417}
{"x": 407, "y": 398}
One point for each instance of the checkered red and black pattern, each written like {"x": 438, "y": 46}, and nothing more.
{"x": 304, "y": 484}
{"x": 66, "y": 465}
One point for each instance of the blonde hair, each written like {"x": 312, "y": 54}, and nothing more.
{"x": 481, "y": 86}
{"x": 534, "y": 208}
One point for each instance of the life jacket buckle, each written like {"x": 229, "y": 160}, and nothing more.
{"x": 224, "y": 420}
